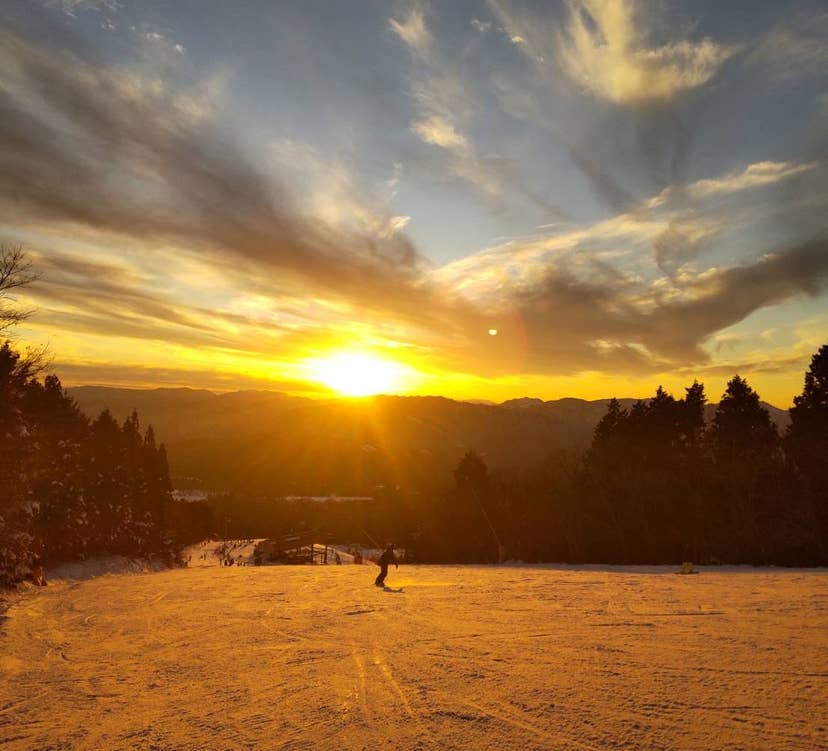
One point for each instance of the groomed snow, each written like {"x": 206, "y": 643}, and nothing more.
{"x": 313, "y": 657}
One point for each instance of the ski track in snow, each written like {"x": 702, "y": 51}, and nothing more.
{"x": 466, "y": 657}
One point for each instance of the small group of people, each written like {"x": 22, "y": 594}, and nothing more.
{"x": 228, "y": 560}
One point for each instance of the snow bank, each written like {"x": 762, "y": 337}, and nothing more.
{"x": 78, "y": 571}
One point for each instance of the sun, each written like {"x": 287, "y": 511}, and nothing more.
{"x": 358, "y": 374}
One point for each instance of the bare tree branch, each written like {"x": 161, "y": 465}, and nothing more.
{"x": 15, "y": 272}
{"x": 36, "y": 361}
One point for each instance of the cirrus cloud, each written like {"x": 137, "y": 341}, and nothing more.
{"x": 605, "y": 49}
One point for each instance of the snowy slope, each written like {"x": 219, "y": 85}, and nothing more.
{"x": 210, "y": 552}
{"x": 313, "y": 657}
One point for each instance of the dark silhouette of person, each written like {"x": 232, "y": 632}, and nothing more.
{"x": 386, "y": 558}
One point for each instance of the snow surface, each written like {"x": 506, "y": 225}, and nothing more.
{"x": 464, "y": 657}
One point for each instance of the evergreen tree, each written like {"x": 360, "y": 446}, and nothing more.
{"x": 158, "y": 487}
{"x": 609, "y": 427}
{"x": 744, "y": 444}
{"x": 56, "y": 476}
{"x": 18, "y": 508}
{"x": 691, "y": 421}
{"x": 471, "y": 473}
{"x": 806, "y": 441}
{"x": 466, "y": 521}
{"x": 742, "y": 429}
{"x": 662, "y": 421}
{"x": 696, "y": 515}
{"x": 103, "y": 482}
{"x": 807, "y": 435}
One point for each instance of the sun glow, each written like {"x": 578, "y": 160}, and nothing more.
{"x": 358, "y": 374}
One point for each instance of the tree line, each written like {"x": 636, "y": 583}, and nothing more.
{"x": 73, "y": 488}
{"x": 657, "y": 485}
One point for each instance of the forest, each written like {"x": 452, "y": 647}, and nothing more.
{"x": 657, "y": 485}
{"x": 74, "y": 488}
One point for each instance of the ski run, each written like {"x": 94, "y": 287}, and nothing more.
{"x": 214, "y": 658}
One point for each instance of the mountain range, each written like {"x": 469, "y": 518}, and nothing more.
{"x": 270, "y": 443}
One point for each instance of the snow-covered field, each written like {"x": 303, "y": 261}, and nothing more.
{"x": 313, "y": 657}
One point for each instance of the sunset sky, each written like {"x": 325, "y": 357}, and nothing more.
{"x": 474, "y": 199}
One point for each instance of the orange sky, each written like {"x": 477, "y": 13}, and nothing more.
{"x": 358, "y": 196}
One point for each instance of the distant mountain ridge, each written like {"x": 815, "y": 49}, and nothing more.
{"x": 182, "y": 412}
{"x": 273, "y": 443}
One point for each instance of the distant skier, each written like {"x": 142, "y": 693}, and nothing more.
{"x": 386, "y": 558}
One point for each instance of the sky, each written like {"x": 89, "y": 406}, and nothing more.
{"x": 483, "y": 200}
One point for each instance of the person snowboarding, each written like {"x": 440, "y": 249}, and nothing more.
{"x": 384, "y": 560}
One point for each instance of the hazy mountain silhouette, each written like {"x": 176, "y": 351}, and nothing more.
{"x": 272, "y": 443}
{"x": 177, "y": 413}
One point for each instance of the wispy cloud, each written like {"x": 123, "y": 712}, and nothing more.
{"x": 446, "y": 110}
{"x": 586, "y": 295}
{"x": 133, "y": 153}
{"x": 412, "y": 30}
{"x": 609, "y": 93}
{"x": 73, "y": 7}
{"x": 686, "y": 212}
{"x": 438, "y": 131}
{"x": 794, "y": 48}
{"x": 757, "y": 175}
{"x": 606, "y": 49}
{"x": 566, "y": 322}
